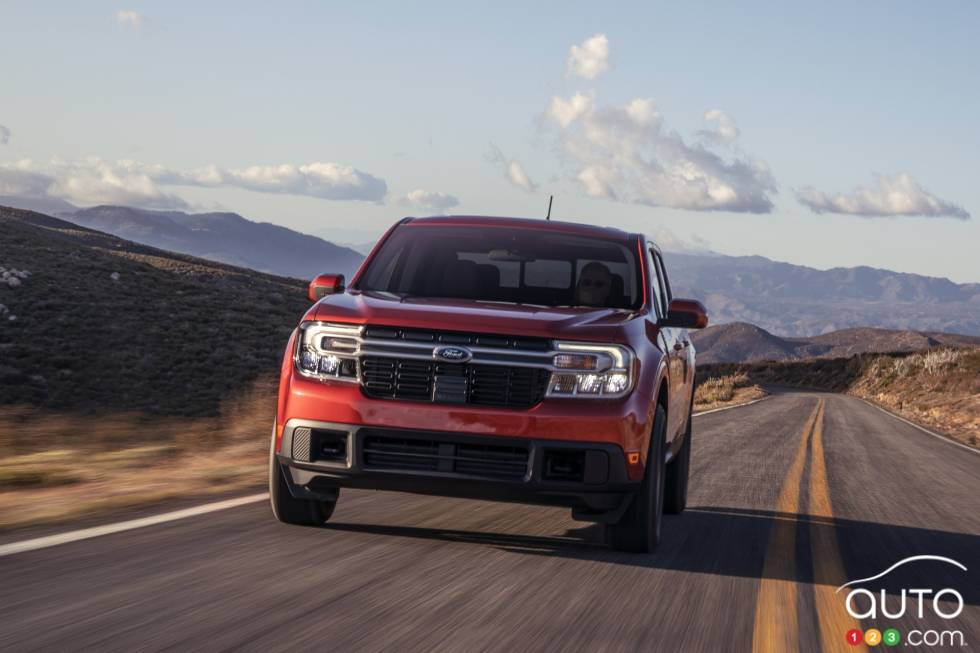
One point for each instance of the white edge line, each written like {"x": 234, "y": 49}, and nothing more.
{"x": 921, "y": 428}
{"x": 718, "y": 410}
{"x": 108, "y": 529}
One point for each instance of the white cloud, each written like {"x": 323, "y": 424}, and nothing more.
{"x": 565, "y": 112}
{"x": 95, "y": 181}
{"x": 86, "y": 182}
{"x": 323, "y": 180}
{"x": 19, "y": 179}
{"x": 130, "y": 19}
{"x": 4, "y": 135}
{"x": 721, "y": 128}
{"x": 668, "y": 241}
{"x": 627, "y": 153}
{"x": 887, "y": 196}
{"x": 513, "y": 170}
{"x": 517, "y": 176}
{"x": 429, "y": 200}
{"x": 589, "y": 59}
{"x": 643, "y": 112}
{"x": 599, "y": 181}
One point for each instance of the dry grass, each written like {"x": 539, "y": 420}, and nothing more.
{"x": 719, "y": 389}
{"x": 63, "y": 466}
{"x": 727, "y": 390}
{"x": 938, "y": 388}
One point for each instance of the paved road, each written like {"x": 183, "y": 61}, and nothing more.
{"x": 791, "y": 497}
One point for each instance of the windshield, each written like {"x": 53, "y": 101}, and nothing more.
{"x": 498, "y": 264}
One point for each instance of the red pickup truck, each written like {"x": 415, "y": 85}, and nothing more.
{"x": 506, "y": 359}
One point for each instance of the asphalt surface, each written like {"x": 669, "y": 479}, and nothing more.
{"x": 790, "y": 497}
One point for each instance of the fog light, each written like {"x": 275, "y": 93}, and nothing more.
{"x": 329, "y": 365}
{"x": 308, "y": 360}
{"x": 616, "y": 382}
{"x": 589, "y": 384}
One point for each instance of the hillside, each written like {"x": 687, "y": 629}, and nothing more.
{"x": 738, "y": 342}
{"x": 225, "y": 237}
{"x": 939, "y": 388}
{"x": 90, "y": 322}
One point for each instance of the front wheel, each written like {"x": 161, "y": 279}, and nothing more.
{"x": 638, "y": 530}
{"x": 287, "y": 508}
{"x": 678, "y": 473}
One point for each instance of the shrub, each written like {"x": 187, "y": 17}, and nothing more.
{"x": 720, "y": 388}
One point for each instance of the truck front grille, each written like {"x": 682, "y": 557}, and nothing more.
{"x": 483, "y": 385}
{"x": 394, "y": 451}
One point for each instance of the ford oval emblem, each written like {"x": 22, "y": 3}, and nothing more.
{"x": 452, "y": 354}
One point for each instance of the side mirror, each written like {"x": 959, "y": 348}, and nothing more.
{"x": 685, "y": 314}
{"x": 326, "y": 284}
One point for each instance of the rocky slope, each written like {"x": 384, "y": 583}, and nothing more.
{"x": 94, "y": 323}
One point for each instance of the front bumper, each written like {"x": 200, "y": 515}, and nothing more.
{"x": 624, "y": 422}
{"x": 590, "y": 477}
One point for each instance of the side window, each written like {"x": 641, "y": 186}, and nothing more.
{"x": 662, "y": 273}
{"x": 656, "y": 286}
{"x": 659, "y": 284}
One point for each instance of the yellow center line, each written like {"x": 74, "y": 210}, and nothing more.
{"x": 776, "y": 629}
{"x": 828, "y": 567}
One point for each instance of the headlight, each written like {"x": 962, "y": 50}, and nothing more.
{"x": 328, "y": 351}
{"x": 591, "y": 371}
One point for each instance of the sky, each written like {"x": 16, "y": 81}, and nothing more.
{"x": 822, "y": 134}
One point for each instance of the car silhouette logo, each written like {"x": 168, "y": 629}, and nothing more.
{"x": 452, "y": 354}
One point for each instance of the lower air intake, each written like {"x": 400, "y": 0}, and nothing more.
{"x": 427, "y": 452}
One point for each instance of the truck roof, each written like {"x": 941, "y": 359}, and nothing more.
{"x": 523, "y": 223}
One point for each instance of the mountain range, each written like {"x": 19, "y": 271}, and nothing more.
{"x": 794, "y": 300}
{"x": 783, "y": 299}
{"x": 739, "y": 342}
{"x": 222, "y": 236}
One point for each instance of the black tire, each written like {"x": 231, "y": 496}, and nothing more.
{"x": 290, "y": 510}
{"x": 678, "y": 473}
{"x": 638, "y": 531}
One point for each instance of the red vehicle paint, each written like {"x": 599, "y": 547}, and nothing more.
{"x": 498, "y": 358}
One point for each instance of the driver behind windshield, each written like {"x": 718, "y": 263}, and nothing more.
{"x": 594, "y": 284}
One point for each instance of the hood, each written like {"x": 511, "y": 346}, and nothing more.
{"x": 443, "y": 314}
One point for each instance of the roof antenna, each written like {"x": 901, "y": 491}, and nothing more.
{"x": 550, "y": 198}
